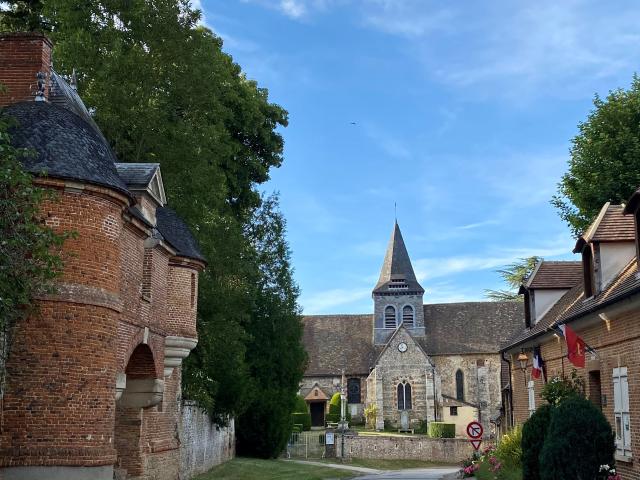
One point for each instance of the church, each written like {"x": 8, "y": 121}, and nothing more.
{"x": 415, "y": 362}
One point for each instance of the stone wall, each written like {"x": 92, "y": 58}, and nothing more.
{"x": 418, "y": 447}
{"x": 330, "y": 385}
{"x": 481, "y": 379}
{"x": 203, "y": 444}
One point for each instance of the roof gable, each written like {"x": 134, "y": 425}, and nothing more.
{"x": 611, "y": 225}
{"x": 555, "y": 275}
{"x": 143, "y": 177}
{"x": 389, "y": 351}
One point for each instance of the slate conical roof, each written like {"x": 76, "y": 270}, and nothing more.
{"x": 397, "y": 274}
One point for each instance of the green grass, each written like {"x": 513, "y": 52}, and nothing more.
{"x": 256, "y": 469}
{"x": 382, "y": 464}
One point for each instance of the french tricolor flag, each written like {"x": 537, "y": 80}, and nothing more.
{"x": 538, "y": 369}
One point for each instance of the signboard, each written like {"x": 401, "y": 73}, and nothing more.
{"x": 474, "y": 430}
{"x": 329, "y": 438}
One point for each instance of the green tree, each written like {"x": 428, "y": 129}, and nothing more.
{"x": 605, "y": 158}
{"x": 29, "y": 250}
{"x": 579, "y": 439}
{"x": 514, "y": 275}
{"x": 275, "y": 354}
{"x": 24, "y": 15}
{"x": 534, "y": 431}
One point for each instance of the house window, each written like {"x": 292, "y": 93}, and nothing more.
{"x": 459, "y": 385}
{"x": 389, "y": 317}
{"x": 532, "y": 397}
{"x": 407, "y": 315}
{"x": 353, "y": 390}
{"x": 621, "y": 411}
{"x": 453, "y": 411}
{"x": 404, "y": 396}
{"x": 587, "y": 270}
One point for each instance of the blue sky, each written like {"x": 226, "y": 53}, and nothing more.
{"x": 464, "y": 113}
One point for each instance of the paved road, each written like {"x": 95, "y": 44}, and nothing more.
{"x": 414, "y": 474}
{"x": 442, "y": 473}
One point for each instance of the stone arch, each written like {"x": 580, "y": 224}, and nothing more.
{"x": 390, "y": 314}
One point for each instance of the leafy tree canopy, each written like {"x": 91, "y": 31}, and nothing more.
{"x": 514, "y": 275}
{"x": 605, "y": 159}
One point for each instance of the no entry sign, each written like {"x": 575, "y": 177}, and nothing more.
{"x": 474, "y": 430}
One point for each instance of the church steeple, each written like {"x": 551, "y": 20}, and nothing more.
{"x": 397, "y": 275}
{"x": 397, "y": 297}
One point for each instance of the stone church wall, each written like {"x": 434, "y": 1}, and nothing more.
{"x": 203, "y": 444}
{"x": 481, "y": 382}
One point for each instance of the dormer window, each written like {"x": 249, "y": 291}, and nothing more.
{"x": 588, "y": 271}
{"x": 390, "y": 317}
{"x": 408, "y": 316}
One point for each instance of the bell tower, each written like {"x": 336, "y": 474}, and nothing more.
{"x": 397, "y": 297}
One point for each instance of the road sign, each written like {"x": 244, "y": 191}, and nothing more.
{"x": 474, "y": 430}
{"x": 476, "y": 443}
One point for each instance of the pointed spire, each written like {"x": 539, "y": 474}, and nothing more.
{"x": 397, "y": 273}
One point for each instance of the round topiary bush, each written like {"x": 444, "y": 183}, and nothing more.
{"x": 301, "y": 415}
{"x": 579, "y": 439}
{"x": 442, "y": 430}
{"x": 534, "y": 432}
{"x": 301, "y": 405}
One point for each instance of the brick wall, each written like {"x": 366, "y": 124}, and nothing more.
{"x": 22, "y": 56}
{"x": 617, "y": 345}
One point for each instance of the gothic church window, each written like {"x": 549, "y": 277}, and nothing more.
{"x": 404, "y": 396}
{"x": 459, "y": 385}
{"x": 407, "y": 315}
{"x": 353, "y": 390}
{"x": 389, "y": 317}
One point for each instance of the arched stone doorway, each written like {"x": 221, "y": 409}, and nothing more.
{"x": 138, "y": 388}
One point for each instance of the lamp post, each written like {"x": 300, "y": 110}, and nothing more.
{"x": 523, "y": 359}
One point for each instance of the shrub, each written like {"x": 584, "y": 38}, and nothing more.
{"x": 559, "y": 388}
{"x": 442, "y": 430}
{"x": 370, "y": 415}
{"x": 303, "y": 419}
{"x": 534, "y": 432}
{"x": 579, "y": 439}
{"x": 301, "y": 405}
{"x": 423, "y": 427}
{"x": 509, "y": 450}
{"x": 334, "y": 410}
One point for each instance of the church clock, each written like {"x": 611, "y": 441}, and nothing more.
{"x": 402, "y": 347}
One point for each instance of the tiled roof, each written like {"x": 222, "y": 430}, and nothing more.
{"x": 470, "y": 327}
{"x": 137, "y": 174}
{"x": 177, "y": 233}
{"x": 336, "y": 342}
{"x": 550, "y": 275}
{"x": 65, "y": 145}
{"x": 572, "y": 305}
{"x": 397, "y": 266}
{"x": 611, "y": 225}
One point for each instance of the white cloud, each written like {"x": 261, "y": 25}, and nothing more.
{"x": 293, "y": 8}
{"x": 472, "y": 226}
{"x": 410, "y": 18}
{"x": 442, "y": 267}
{"x": 327, "y": 301}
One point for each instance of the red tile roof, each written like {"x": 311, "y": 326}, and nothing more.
{"x": 611, "y": 225}
{"x": 555, "y": 275}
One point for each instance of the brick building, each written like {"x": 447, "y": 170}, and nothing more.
{"x": 416, "y": 362}
{"x": 599, "y": 298}
{"x": 93, "y": 377}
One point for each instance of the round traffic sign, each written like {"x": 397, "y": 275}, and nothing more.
{"x": 474, "y": 430}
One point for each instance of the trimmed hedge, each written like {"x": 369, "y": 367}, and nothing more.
{"x": 578, "y": 441}
{"x": 301, "y": 405}
{"x": 442, "y": 430}
{"x": 534, "y": 432}
{"x": 303, "y": 419}
{"x": 334, "y": 410}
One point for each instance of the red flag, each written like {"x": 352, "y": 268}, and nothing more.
{"x": 576, "y": 347}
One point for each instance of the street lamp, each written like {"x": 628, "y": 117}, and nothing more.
{"x": 523, "y": 359}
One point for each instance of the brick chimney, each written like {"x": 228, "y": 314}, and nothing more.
{"x": 25, "y": 67}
